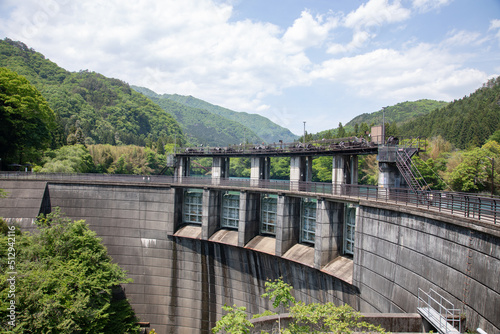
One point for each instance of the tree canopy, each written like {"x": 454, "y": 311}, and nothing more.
{"x": 467, "y": 122}
{"x": 26, "y": 120}
{"x": 89, "y": 106}
{"x": 67, "y": 159}
{"x": 254, "y": 125}
{"x": 66, "y": 281}
{"x": 306, "y": 318}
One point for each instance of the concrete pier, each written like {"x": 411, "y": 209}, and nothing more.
{"x": 220, "y": 169}
{"x": 300, "y": 171}
{"x": 260, "y": 169}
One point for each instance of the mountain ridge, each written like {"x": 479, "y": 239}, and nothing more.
{"x": 263, "y": 127}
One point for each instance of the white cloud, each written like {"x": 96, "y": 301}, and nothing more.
{"x": 197, "y": 47}
{"x": 308, "y": 31}
{"x": 428, "y": 5}
{"x": 359, "y": 38}
{"x": 262, "y": 108}
{"x": 366, "y": 22}
{"x": 376, "y": 13}
{"x": 463, "y": 38}
{"x": 495, "y": 25}
{"x": 421, "y": 71}
{"x": 186, "y": 47}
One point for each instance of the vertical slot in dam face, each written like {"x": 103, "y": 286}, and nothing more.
{"x": 208, "y": 291}
{"x": 172, "y": 309}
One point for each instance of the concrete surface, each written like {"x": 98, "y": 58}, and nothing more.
{"x": 183, "y": 275}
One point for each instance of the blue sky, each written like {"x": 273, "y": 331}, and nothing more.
{"x": 319, "y": 61}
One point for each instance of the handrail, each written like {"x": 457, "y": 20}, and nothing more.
{"x": 448, "y": 314}
{"x": 481, "y": 208}
{"x": 412, "y": 175}
{"x": 317, "y": 146}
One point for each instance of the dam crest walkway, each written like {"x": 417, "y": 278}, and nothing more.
{"x": 468, "y": 205}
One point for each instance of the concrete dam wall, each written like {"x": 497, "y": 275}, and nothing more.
{"x": 183, "y": 275}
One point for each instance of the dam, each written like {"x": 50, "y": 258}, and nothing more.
{"x": 193, "y": 244}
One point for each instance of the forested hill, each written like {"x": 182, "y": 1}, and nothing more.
{"x": 202, "y": 127}
{"x": 400, "y": 113}
{"x": 395, "y": 116}
{"x": 467, "y": 122}
{"x": 89, "y": 107}
{"x": 262, "y": 126}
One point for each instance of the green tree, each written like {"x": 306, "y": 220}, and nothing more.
{"x": 234, "y": 322}
{"x": 327, "y": 318}
{"x": 368, "y": 170}
{"x": 67, "y": 159}
{"x": 432, "y": 171}
{"x": 495, "y": 136}
{"x": 239, "y": 167}
{"x": 280, "y": 168}
{"x": 280, "y": 293}
{"x": 474, "y": 172}
{"x": 26, "y": 121}
{"x": 322, "y": 169}
{"x": 341, "y": 131}
{"x": 67, "y": 281}
{"x": 306, "y": 318}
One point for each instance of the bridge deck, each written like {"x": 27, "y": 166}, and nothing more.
{"x": 324, "y": 147}
{"x": 277, "y": 152}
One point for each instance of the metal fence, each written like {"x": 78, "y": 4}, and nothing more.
{"x": 483, "y": 208}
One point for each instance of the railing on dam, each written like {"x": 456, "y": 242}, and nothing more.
{"x": 483, "y": 208}
{"x": 318, "y": 147}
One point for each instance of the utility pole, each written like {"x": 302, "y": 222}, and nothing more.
{"x": 383, "y": 125}
{"x": 492, "y": 176}
{"x": 304, "y": 132}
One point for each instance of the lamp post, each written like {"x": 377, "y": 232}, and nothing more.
{"x": 304, "y": 132}
{"x": 383, "y": 125}
{"x": 492, "y": 175}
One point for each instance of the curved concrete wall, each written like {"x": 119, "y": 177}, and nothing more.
{"x": 398, "y": 252}
{"x": 180, "y": 284}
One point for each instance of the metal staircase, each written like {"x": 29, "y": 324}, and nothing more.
{"x": 409, "y": 170}
{"x": 439, "y": 312}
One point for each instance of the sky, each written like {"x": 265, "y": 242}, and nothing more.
{"x": 293, "y": 61}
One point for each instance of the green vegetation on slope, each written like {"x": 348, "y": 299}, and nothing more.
{"x": 99, "y": 109}
{"x": 26, "y": 121}
{"x": 395, "y": 116}
{"x": 66, "y": 281}
{"x": 467, "y": 122}
{"x": 260, "y": 125}
{"x": 127, "y": 159}
{"x": 203, "y": 127}
{"x": 400, "y": 113}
